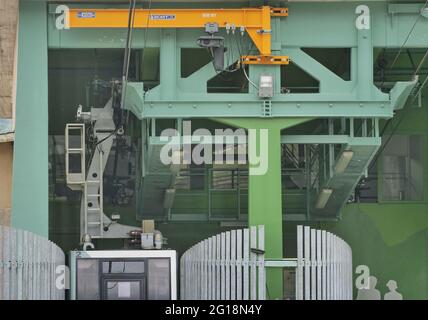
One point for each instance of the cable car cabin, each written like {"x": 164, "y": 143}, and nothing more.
{"x": 124, "y": 275}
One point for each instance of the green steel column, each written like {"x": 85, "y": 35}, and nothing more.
{"x": 30, "y": 167}
{"x": 365, "y": 63}
{"x": 265, "y": 206}
{"x": 168, "y": 64}
{"x": 265, "y": 191}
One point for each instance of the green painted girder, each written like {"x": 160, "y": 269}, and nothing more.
{"x": 244, "y": 105}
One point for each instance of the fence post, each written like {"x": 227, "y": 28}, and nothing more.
{"x": 233, "y": 265}
{"x": 239, "y": 264}
{"x": 261, "y": 264}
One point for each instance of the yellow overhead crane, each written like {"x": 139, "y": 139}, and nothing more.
{"x": 255, "y": 21}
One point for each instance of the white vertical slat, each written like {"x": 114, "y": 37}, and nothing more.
{"x": 194, "y": 282}
{"x": 12, "y": 255}
{"x": 261, "y": 264}
{"x": 345, "y": 263}
{"x": 20, "y": 259}
{"x": 30, "y": 257}
{"x": 338, "y": 268}
{"x": 324, "y": 264}
{"x": 201, "y": 270}
{"x": 206, "y": 265}
{"x": 218, "y": 258}
{"x": 192, "y": 272}
{"x": 202, "y": 266}
{"x": 313, "y": 265}
{"x": 339, "y": 273}
{"x": 209, "y": 269}
{"x": 223, "y": 267}
{"x": 307, "y": 254}
{"x": 188, "y": 279}
{"x": 342, "y": 276}
{"x": 198, "y": 271}
{"x": 300, "y": 264}
{"x": 334, "y": 267}
{"x": 253, "y": 258}
{"x": 246, "y": 253}
{"x": 350, "y": 275}
{"x": 42, "y": 270}
{"x": 182, "y": 277}
{"x": 332, "y": 270}
{"x": 23, "y": 259}
{"x": 6, "y": 259}
{"x": 189, "y": 271}
{"x": 195, "y": 272}
{"x": 328, "y": 260}
{"x": 319, "y": 265}
{"x": 239, "y": 264}
{"x": 36, "y": 271}
{"x": 227, "y": 266}
{"x": 214, "y": 269}
{"x": 233, "y": 265}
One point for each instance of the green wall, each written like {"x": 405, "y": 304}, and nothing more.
{"x": 389, "y": 237}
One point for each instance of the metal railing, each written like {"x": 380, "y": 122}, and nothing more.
{"x": 228, "y": 266}
{"x": 28, "y": 266}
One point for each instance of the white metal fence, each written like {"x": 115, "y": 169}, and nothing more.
{"x": 324, "y": 266}
{"x": 28, "y": 265}
{"x": 228, "y": 266}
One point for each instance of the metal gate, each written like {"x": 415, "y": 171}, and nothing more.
{"x": 28, "y": 264}
{"x": 324, "y": 266}
{"x": 228, "y": 266}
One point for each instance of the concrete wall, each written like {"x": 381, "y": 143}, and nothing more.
{"x": 6, "y": 158}
{"x": 8, "y": 33}
{"x": 8, "y": 29}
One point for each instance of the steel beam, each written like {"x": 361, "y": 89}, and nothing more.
{"x": 239, "y": 109}
{"x": 331, "y": 25}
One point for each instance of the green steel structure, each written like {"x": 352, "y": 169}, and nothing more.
{"x": 335, "y": 109}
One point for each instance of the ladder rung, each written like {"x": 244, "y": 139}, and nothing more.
{"x": 75, "y": 150}
{"x": 93, "y": 209}
{"x": 93, "y": 181}
{"x": 93, "y": 195}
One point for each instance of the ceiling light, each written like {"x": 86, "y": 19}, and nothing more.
{"x": 343, "y": 161}
{"x": 323, "y": 198}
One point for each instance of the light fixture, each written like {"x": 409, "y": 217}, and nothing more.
{"x": 323, "y": 197}
{"x": 266, "y": 86}
{"x": 343, "y": 161}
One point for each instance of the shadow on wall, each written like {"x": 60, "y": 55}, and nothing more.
{"x": 391, "y": 241}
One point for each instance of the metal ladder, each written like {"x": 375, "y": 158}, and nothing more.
{"x": 91, "y": 182}
{"x": 93, "y": 196}
{"x": 75, "y": 179}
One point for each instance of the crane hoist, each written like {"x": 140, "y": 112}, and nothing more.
{"x": 255, "y": 21}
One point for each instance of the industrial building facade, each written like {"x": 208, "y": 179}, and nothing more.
{"x": 206, "y": 117}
